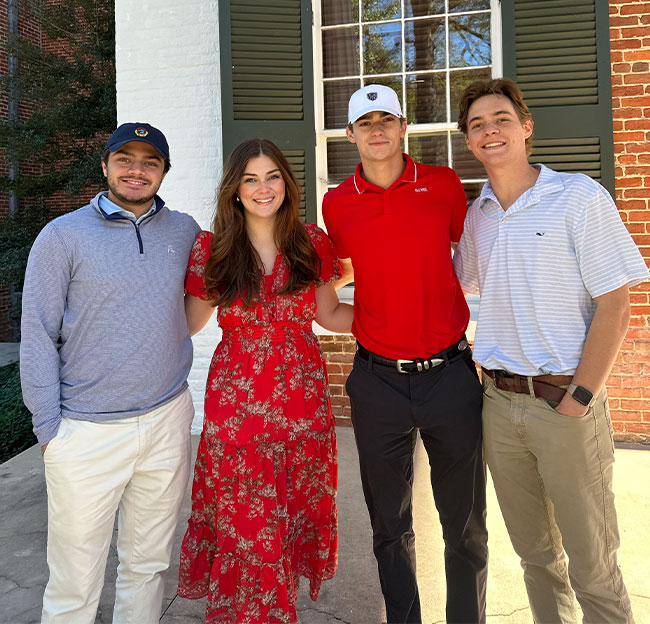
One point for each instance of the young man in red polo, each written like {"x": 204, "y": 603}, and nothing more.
{"x": 393, "y": 223}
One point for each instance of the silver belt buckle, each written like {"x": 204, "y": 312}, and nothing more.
{"x": 432, "y": 363}
{"x": 399, "y": 366}
{"x": 421, "y": 364}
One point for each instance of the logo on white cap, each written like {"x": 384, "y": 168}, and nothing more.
{"x": 373, "y": 98}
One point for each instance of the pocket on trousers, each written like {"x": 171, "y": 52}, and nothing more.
{"x": 487, "y": 385}
{"x": 463, "y": 382}
{"x": 610, "y": 427}
{"x": 552, "y": 405}
{"x": 469, "y": 361}
{"x": 349, "y": 380}
{"x": 61, "y": 436}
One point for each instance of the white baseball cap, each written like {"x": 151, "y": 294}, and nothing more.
{"x": 373, "y": 98}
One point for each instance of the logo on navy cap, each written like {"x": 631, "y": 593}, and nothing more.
{"x": 141, "y": 132}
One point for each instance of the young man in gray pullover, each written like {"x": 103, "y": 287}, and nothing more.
{"x": 104, "y": 359}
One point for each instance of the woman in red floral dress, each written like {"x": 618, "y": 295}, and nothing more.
{"x": 263, "y": 497}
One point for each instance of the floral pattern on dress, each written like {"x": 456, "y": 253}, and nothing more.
{"x": 263, "y": 496}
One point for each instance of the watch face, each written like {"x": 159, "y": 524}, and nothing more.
{"x": 582, "y": 395}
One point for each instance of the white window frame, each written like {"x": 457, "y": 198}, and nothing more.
{"x": 322, "y": 134}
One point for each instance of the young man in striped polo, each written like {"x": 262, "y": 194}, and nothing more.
{"x": 553, "y": 263}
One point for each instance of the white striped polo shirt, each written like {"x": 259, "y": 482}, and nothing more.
{"x": 538, "y": 267}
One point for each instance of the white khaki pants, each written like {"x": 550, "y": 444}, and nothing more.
{"x": 139, "y": 465}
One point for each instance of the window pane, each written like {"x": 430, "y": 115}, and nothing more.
{"x": 420, "y": 8}
{"x": 426, "y": 98}
{"x": 425, "y": 44}
{"x": 456, "y": 6}
{"x": 429, "y": 149}
{"x": 472, "y": 190}
{"x": 469, "y": 40}
{"x": 380, "y": 10}
{"x": 382, "y": 49}
{"x": 463, "y": 161}
{"x": 458, "y": 80}
{"x": 341, "y": 52}
{"x": 337, "y": 95}
{"x": 342, "y": 158}
{"x": 339, "y": 12}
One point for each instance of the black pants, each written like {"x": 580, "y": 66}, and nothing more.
{"x": 445, "y": 405}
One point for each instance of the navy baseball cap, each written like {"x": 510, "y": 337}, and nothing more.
{"x": 138, "y": 132}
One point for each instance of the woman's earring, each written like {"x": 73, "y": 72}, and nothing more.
{"x": 237, "y": 199}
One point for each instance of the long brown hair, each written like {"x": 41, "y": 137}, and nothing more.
{"x": 234, "y": 265}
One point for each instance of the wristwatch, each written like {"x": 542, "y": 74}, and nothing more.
{"x": 582, "y": 395}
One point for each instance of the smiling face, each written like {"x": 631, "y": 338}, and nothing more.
{"x": 261, "y": 189}
{"x": 134, "y": 173}
{"x": 378, "y": 137}
{"x": 495, "y": 135}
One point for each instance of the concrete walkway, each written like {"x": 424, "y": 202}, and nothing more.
{"x": 353, "y": 597}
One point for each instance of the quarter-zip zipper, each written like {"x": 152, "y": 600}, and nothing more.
{"x": 137, "y": 232}
{"x": 120, "y": 217}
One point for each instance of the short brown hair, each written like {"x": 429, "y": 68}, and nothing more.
{"x": 497, "y": 86}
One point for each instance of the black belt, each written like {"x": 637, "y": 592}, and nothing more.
{"x": 416, "y": 365}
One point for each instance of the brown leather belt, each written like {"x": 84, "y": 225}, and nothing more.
{"x": 544, "y": 386}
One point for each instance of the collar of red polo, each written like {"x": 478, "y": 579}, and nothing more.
{"x": 410, "y": 174}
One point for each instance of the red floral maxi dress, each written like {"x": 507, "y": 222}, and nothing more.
{"x": 263, "y": 496}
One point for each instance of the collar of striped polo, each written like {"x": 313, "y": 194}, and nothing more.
{"x": 548, "y": 182}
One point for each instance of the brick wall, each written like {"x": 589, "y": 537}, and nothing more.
{"x": 629, "y": 384}
{"x": 5, "y": 302}
{"x": 339, "y": 353}
{"x": 59, "y": 203}
{"x": 29, "y": 28}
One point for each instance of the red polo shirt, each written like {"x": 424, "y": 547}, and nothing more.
{"x": 407, "y": 300}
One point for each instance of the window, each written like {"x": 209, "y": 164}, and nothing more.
{"x": 428, "y": 51}
{"x": 289, "y": 66}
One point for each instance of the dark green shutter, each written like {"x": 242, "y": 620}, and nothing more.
{"x": 267, "y": 82}
{"x": 558, "y": 53}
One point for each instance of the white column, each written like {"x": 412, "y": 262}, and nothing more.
{"x": 168, "y": 74}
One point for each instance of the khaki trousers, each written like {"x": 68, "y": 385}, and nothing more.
{"x": 139, "y": 465}
{"x": 553, "y": 479}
